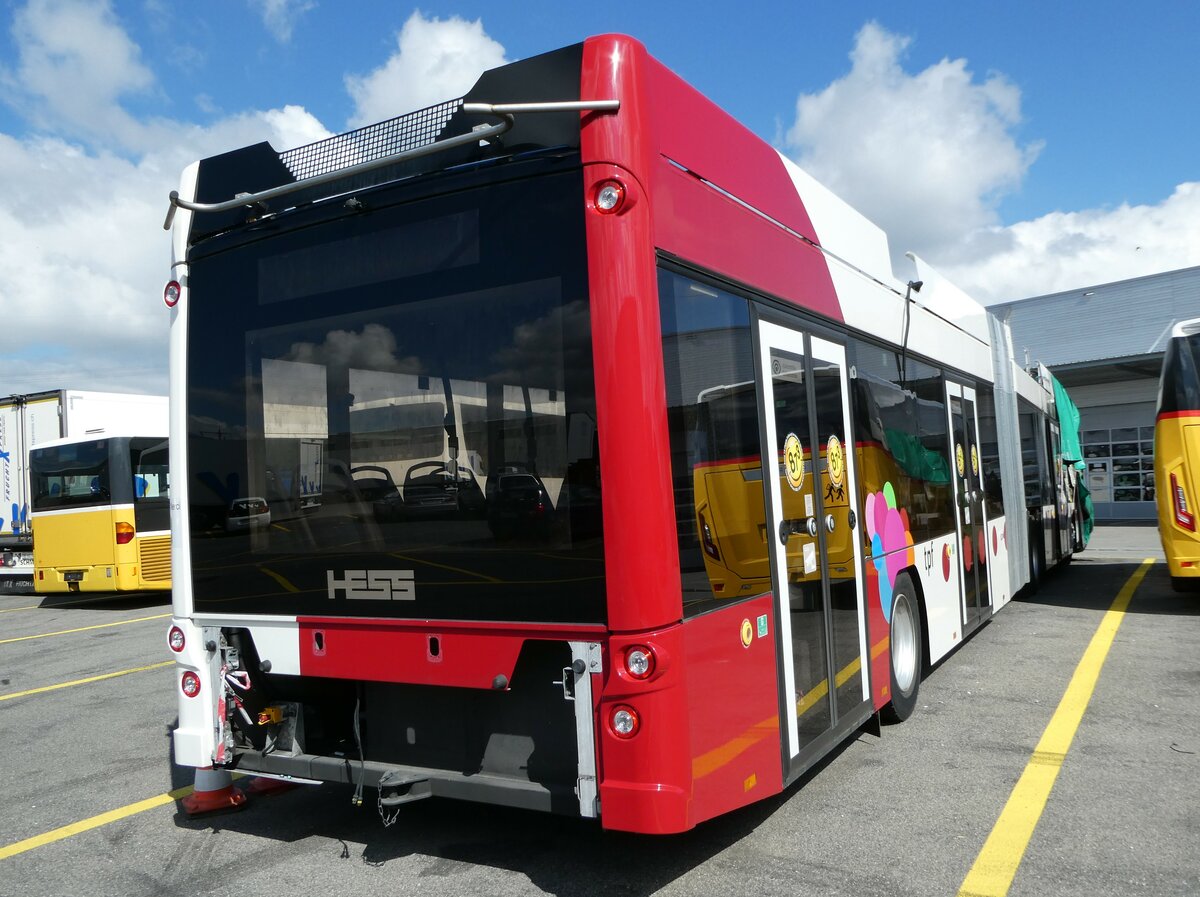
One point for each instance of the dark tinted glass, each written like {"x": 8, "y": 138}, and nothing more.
{"x": 712, "y": 412}
{"x": 71, "y": 476}
{"x": 908, "y": 443}
{"x": 151, "y": 484}
{"x": 413, "y": 437}
{"x": 989, "y": 452}
{"x": 1038, "y": 489}
{"x": 1179, "y": 388}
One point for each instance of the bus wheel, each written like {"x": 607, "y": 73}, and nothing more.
{"x": 906, "y": 659}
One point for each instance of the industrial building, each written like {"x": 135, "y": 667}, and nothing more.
{"x": 1105, "y": 344}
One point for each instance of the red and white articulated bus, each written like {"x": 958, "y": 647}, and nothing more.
{"x": 548, "y": 338}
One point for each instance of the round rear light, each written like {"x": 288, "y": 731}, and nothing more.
{"x": 190, "y": 683}
{"x": 609, "y": 196}
{"x": 624, "y": 721}
{"x": 175, "y": 639}
{"x": 639, "y": 661}
{"x": 171, "y": 293}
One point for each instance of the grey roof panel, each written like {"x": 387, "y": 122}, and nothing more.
{"x": 1114, "y": 320}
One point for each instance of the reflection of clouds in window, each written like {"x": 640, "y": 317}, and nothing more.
{"x": 535, "y": 354}
{"x": 294, "y": 403}
{"x": 372, "y": 348}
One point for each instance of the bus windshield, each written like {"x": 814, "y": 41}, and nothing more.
{"x": 393, "y": 411}
{"x": 1179, "y": 387}
{"x": 70, "y": 476}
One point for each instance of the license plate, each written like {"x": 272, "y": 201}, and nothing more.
{"x": 73, "y": 576}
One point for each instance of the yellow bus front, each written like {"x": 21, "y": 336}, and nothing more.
{"x": 1177, "y": 481}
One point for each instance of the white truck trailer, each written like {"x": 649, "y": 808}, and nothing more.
{"x": 31, "y": 419}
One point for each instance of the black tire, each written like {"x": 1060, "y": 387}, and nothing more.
{"x": 906, "y": 652}
{"x": 1185, "y": 584}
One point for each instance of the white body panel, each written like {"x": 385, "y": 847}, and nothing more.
{"x": 872, "y": 298}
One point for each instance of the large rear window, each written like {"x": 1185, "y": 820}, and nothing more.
{"x": 392, "y": 413}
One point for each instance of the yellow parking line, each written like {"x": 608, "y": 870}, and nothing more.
{"x": 997, "y": 863}
{"x": 25, "y": 638}
{"x": 92, "y": 822}
{"x": 9, "y": 610}
{"x": 84, "y": 825}
{"x": 35, "y": 691}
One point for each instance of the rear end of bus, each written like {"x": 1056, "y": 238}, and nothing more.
{"x": 481, "y": 598}
{"x": 100, "y": 524}
{"x": 430, "y": 618}
{"x": 1177, "y": 455}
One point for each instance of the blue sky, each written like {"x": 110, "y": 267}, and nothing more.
{"x": 1021, "y": 147}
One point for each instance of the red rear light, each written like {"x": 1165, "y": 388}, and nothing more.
{"x": 171, "y": 293}
{"x": 624, "y": 721}
{"x": 175, "y": 639}
{"x": 125, "y": 533}
{"x": 1182, "y": 516}
{"x": 190, "y": 683}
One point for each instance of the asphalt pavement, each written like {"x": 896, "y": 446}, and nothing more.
{"x": 908, "y": 813}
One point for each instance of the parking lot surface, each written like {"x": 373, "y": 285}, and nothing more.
{"x": 87, "y": 703}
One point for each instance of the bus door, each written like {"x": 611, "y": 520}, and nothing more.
{"x": 968, "y": 499}
{"x": 813, "y": 532}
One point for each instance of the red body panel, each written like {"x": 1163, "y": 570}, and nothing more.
{"x": 640, "y": 543}
{"x": 733, "y": 708}
{"x": 723, "y": 695}
{"x": 422, "y": 653}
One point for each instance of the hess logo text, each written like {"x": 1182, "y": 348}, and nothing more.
{"x": 372, "y": 585}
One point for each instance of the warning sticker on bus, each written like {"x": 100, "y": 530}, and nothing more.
{"x": 793, "y": 461}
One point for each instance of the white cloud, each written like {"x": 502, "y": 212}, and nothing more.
{"x": 280, "y": 16}
{"x": 82, "y": 248}
{"x": 435, "y": 60}
{"x": 74, "y": 64}
{"x": 1067, "y": 250}
{"x": 925, "y": 156}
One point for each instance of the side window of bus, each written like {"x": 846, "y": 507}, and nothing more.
{"x": 148, "y": 460}
{"x": 712, "y": 413}
{"x": 1033, "y": 459}
{"x": 989, "y": 453}
{"x": 902, "y": 437}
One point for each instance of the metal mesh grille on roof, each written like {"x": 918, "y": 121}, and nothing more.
{"x": 396, "y": 135}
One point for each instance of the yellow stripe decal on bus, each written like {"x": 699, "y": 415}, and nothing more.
{"x": 996, "y": 866}
{"x": 710, "y": 761}
{"x": 25, "y": 638}
{"x": 45, "y": 688}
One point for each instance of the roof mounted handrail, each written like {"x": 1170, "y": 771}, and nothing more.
{"x": 504, "y": 111}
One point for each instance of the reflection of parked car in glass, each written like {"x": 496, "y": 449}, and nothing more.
{"x": 247, "y": 513}
{"x": 373, "y": 483}
{"x": 430, "y": 489}
{"x": 519, "y": 506}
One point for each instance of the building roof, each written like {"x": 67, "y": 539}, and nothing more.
{"x": 1128, "y": 319}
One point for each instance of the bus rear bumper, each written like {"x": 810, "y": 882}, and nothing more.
{"x": 97, "y": 578}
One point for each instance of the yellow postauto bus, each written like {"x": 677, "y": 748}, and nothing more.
{"x": 1177, "y": 455}
{"x": 101, "y": 514}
